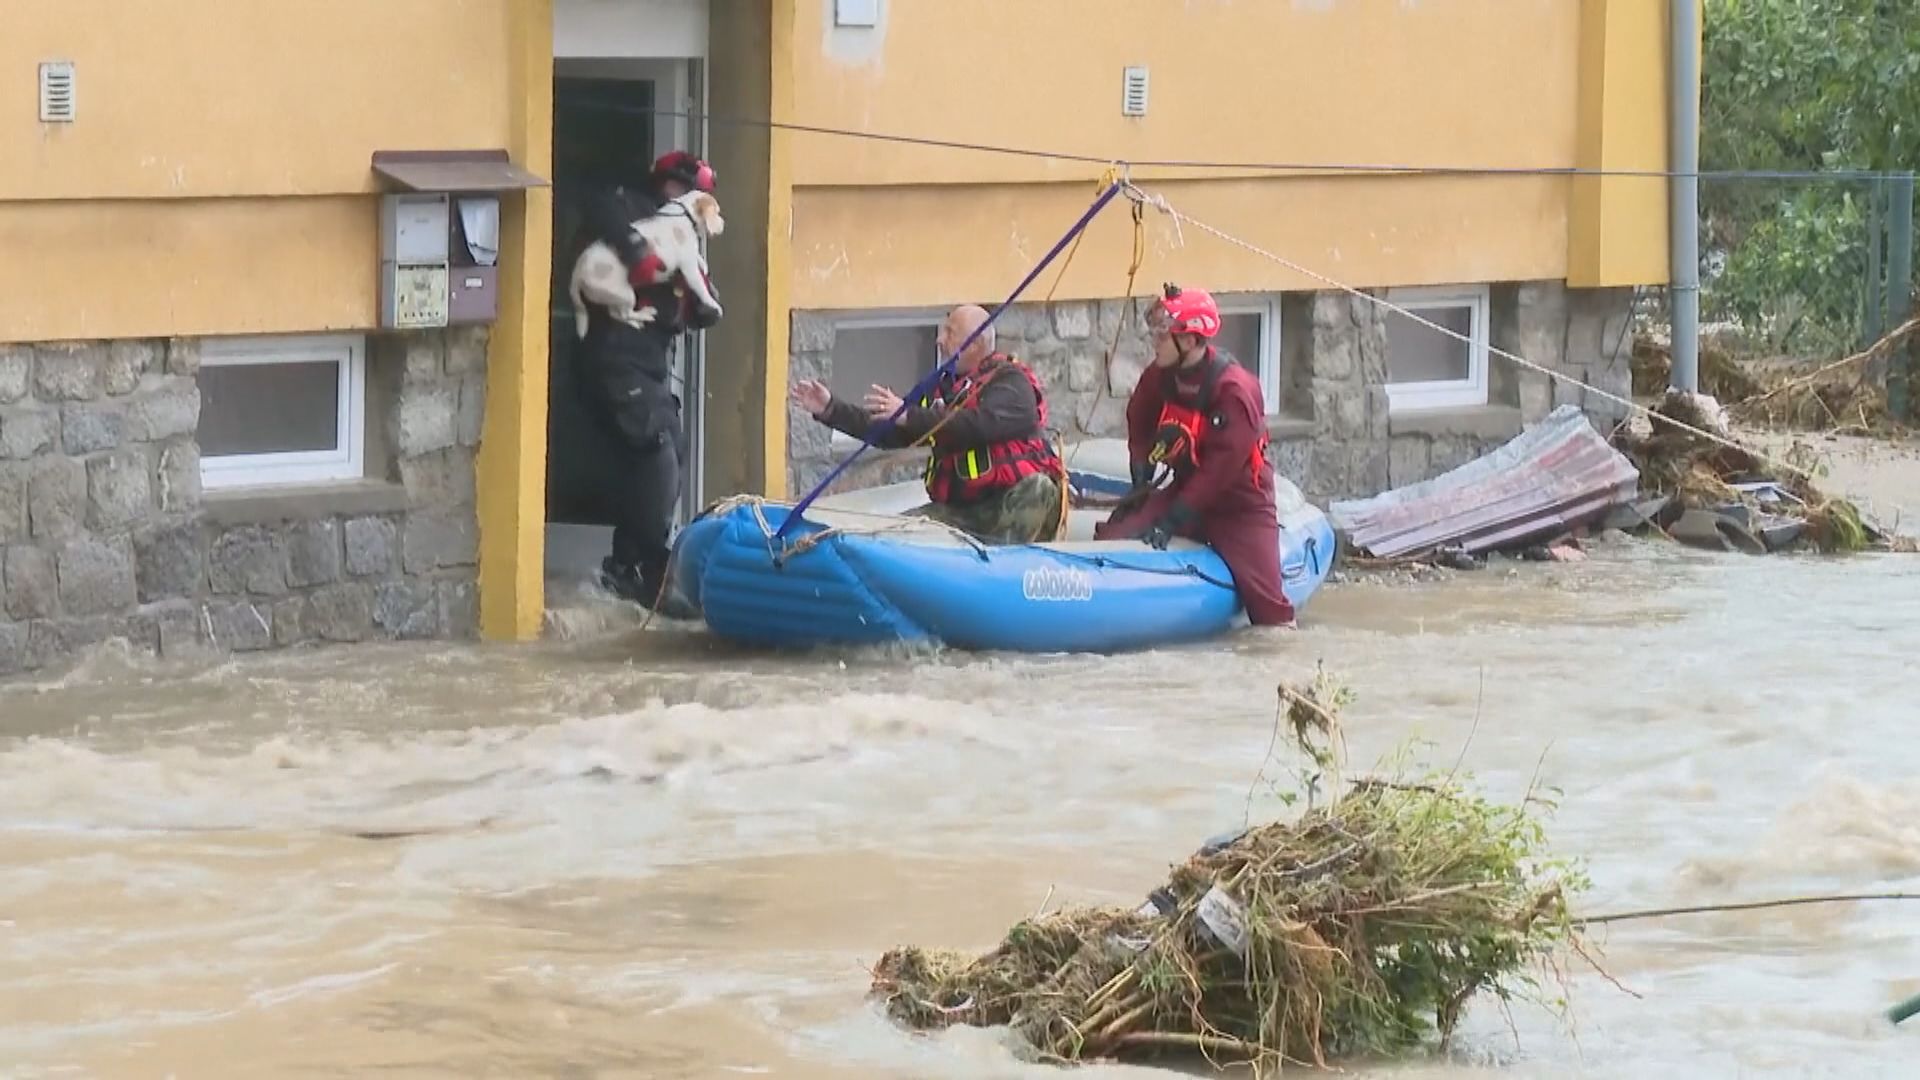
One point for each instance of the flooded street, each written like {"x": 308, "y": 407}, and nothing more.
{"x": 649, "y": 855}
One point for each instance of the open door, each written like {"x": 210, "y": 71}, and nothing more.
{"x": 612, "y": 118}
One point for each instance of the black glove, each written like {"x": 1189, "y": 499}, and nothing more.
{"x": 1142, "y": 472}
{"x": 1169, "y": 524}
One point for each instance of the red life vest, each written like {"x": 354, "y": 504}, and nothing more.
{"x": 1180, "y": 430}
{"x": 967, "y": 476}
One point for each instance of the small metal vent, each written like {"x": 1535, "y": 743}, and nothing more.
{"x": 56, "y": 92}
{"x": 856, "y": 12}
{"x": 1133, "y": 92}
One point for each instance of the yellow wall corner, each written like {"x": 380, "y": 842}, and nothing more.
{"x": 779, "y": 250}
{"x": 510, "y": 478}
{"x": 1617, "y": 226}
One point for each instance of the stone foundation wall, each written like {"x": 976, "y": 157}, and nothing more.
{"x": 1334, "y": 436}
{"x": 105, "y": 533}
{"x": 1356, "y": 447}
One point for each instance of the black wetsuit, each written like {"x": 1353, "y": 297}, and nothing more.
{"x": 626, "y": 377}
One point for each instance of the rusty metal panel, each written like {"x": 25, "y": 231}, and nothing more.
{"x": 1557, "y": 474}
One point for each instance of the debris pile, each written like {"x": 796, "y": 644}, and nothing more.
{"x": 1561, "y": 481}
{"x": 1362, "y": 927}
{"x": 1834, "y": 399}
{"x": 1708, "y": 494}
{"x": 1844, "y": 396}
{"x": 1721, "y": 375}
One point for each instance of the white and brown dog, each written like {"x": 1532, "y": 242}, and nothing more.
{"x": 669, "y": 239}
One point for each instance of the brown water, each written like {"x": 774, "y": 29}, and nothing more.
{"x": 648, "y": 855}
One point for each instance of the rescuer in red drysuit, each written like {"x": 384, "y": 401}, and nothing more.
{"x": 1202, "y": 415}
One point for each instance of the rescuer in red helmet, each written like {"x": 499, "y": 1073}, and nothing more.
{"x": 625, "y": 376}
{"x": 677, "y": 172}
{"x": 1202, "y": 415}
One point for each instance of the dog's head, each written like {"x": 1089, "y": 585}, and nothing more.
{"x": 705, "y": 211}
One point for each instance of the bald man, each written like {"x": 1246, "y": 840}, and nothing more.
{"x": 993, "y": 472}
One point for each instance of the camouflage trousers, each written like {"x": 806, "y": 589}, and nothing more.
{"x": 1026, "y": 513}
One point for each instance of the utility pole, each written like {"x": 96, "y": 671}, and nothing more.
{"x": 1899, "y": 292}
{"x": 1684, "y": 194}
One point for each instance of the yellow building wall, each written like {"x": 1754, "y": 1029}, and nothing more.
{"x": 511, "y": 472}
{"x": 217, "y": 180}
{"x": 1618, "y": 225}
{"x": 119, "y": 268}
{"x": 1457, "y": 83}
{"x": 918, "y": 246}
{"x": 240, "y": 97}
{"x": 751, "y": 49}
{"x": 210, "y": 132}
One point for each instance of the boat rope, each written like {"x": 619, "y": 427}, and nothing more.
{"x": 666, "y": 576}
{"x": 896, "y": 523}
{"x": 885, "y": 523}
{"x": 1160, "y": 203}
{"x": 1112, "y": 186}
{"x": 1756, "y": 905}
{"x": 1109, "y": 562}
{"x": 1134, "y": 266}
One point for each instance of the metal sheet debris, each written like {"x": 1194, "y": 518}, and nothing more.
{"x": 1555, "y": 475}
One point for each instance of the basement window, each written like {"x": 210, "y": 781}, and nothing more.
{"x": 282, "y": 410}
{"x": 892, "y": 351}
{"x": 895, "y": 351}
{"x": 1250, "y": 333}
{"x": 1428, "y": 369}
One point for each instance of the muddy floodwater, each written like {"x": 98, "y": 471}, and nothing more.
{"x": 648, "y": 855}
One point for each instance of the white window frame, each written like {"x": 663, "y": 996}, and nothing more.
{"x": 346, "y": 462}
{"x": 1445, "y": 393}
{"x": 1267, "y": 364}
{"x": 891, "y": 321}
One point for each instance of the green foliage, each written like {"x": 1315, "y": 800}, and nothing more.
{"x": 1797, "y": 270}
{"x": 1801, "y": 84}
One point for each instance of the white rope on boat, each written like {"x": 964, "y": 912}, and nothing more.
{"x": 885, "y": 523}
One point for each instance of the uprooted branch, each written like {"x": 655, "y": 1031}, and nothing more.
{"x": 1363, "y": 926}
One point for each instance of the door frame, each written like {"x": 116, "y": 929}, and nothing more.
{"x": 680, "y": 91}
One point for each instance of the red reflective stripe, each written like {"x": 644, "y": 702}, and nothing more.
{"x": 1193, "y": 422}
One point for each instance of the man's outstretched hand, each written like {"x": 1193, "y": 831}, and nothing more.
{"x": 881, "y": 402}
{"x": 812, "y": 395}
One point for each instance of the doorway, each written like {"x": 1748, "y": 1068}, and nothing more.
{"x": 612, "y": 117}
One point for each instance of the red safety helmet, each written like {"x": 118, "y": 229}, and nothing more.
{"x": 684, "y": 167}
{"x": 1190, "y": 311}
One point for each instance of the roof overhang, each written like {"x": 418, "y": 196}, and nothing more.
{"x": 461, "y": 171}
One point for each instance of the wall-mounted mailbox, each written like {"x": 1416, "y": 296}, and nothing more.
{"x": 414, "y": 245}
{"x": 440, "y": 235}
{"x": 473, "y": 278}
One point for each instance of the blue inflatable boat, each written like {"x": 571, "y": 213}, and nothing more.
{"x": 855, "y": 571}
